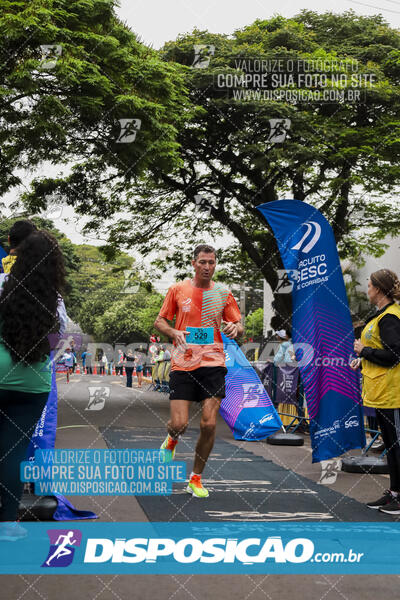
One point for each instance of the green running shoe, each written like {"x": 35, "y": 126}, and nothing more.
{"x": 168, "y": 446}
{"x": 196, "y": 488}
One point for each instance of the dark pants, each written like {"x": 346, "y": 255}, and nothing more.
{"x": 389, "y": 424}
{"x": 89, "y": 370}
{"x": 129, "y": 372}
{"x": 19, "y": 413}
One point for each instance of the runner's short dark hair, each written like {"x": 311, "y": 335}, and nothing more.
{"x": 204, "y": 248}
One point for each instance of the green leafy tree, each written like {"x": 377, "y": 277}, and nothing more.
{"x": 360, "y": 307}
{"x": 71, "y": 256}
{"x": 254, "y": 324}
{"x": 96, "y": 285}
{"x": 129, "y": 319}
{"x": 70, "y": 71}
{"x": 342, "y": 157}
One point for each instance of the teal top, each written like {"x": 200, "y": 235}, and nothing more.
{"x": 21, "y": 377}
{"x": 18, "y": 376}
{"x": 284, "y": 353}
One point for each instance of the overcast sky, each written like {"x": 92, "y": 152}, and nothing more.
{"x": 158, "y": 21}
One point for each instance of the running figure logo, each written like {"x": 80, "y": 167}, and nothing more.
{"x": 286, "y": 280}
{"x": 130, "y": 285}
{"x": 50, "y": 55}
{"x": 129, "y": 129}
{"x": 54, "y": 206}
{"x": 252, "y": 393}
{"x": 62, "y": 547}
{"x": 202, "y": 204}
{"x": 97, "y": 397}
{"x": 202, "y": 55}
{"x": 279, "y": 130}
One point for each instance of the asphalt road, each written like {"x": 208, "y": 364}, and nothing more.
{"x": 81, "y": 414}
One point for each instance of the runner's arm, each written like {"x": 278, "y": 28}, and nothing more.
{"x": 231, "y": 318}
{"x": 233, "y": 330}
{"x": 164, "y": 327}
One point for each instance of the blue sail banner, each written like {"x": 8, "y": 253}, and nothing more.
{"x": 323, "y": 334}
{"x": 246, "y": 408}
{"x": 44, "y": 435}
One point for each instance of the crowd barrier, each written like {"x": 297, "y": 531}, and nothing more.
{"x": 284, "y": 386}
{"x": 160, "y": 376}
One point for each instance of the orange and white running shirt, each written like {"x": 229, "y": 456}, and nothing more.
{"x": 201, "y": 312}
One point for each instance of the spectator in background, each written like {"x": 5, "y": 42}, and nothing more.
{"x": 103, "y": 364}
{"x": 159, "y": 357}
{"x": 73, "y": 350}
{"x": 129, "y": 366}
{"x": 68, "y": 360}
{"x": 140, "y": 358}
{"x": 110, "y": 366}
{"x": 285, "y": 353}
{"x": 167, "y": 353}
{"x": 29, "y": 312}
{"x": 83, "y": 357}
{"x": 120, "y": 364}
{"x": 18, "y": 232}
{"x": 88, "y": 362}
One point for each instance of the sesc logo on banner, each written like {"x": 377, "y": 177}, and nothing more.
{"x": 310, "y": 238}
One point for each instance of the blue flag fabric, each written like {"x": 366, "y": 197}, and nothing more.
{"x": 44, "y": 436}
{"x": 246, "y": 408}
{"x": 3, "y": 254}
{"x": 322, "y": 328}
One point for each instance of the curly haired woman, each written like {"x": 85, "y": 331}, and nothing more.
{"x": 29, "y": 301}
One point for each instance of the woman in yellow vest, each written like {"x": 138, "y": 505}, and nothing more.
{"x": 18, "y": 233}
{"x": 379, "y": 352}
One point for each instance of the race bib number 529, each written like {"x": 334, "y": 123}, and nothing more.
{"x": 200, "y": 335}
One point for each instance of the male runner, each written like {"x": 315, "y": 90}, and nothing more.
{"x": 198, "y": 360}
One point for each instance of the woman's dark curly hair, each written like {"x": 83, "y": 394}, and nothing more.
{"x": 28, "y": 303}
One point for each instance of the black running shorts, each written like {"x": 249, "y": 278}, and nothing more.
{"x": 196, "y": 385}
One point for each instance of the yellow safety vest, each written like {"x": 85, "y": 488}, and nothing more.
{"x": 381, "y": 385}
{"x": 8, "y": 262}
